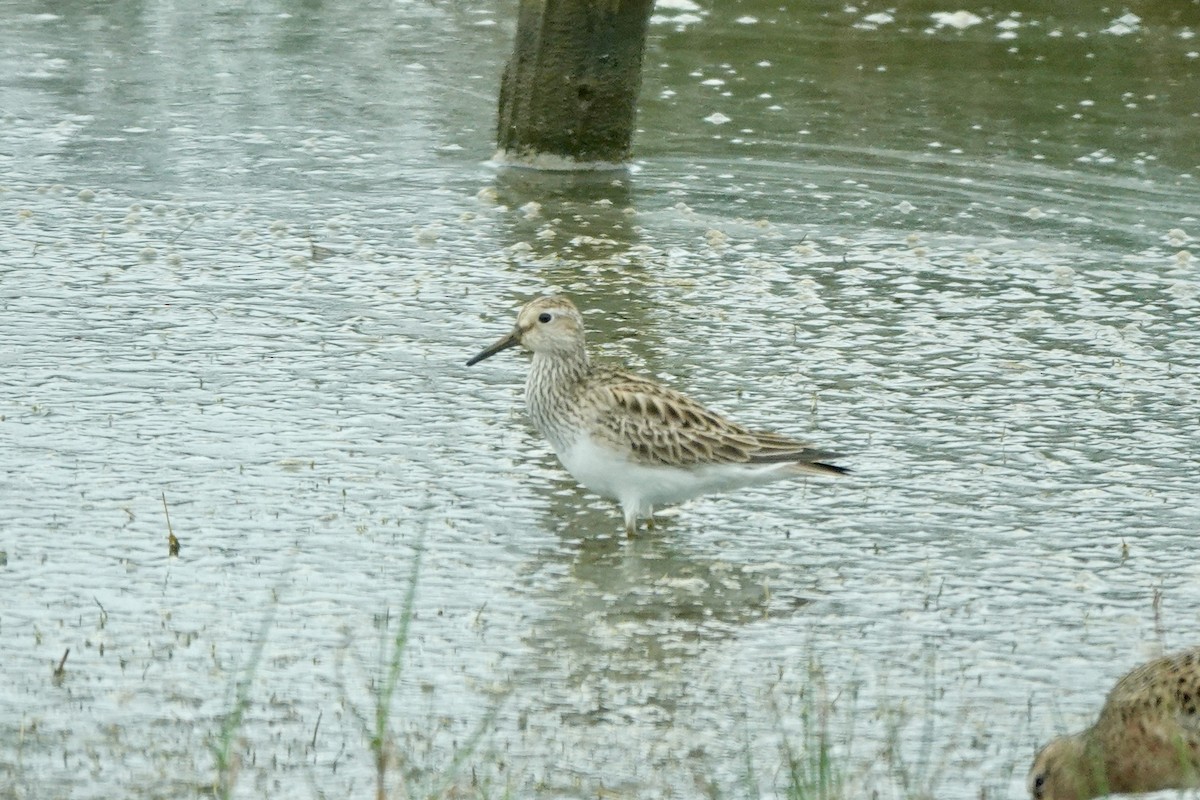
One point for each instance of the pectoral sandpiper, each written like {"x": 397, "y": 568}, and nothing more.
{"x": 1147, "y": 738}
{"x": 630, "y": 438}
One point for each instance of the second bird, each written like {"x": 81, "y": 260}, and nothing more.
{"x": 630, "y": 438}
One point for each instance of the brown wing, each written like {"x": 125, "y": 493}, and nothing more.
{"x": 662, "y": 426}
{"x": 1167, "y": 688}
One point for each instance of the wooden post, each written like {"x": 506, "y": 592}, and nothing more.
{"x": 569, "y": 93}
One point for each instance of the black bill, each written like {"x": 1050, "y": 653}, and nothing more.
{"x": 511, "y": 340}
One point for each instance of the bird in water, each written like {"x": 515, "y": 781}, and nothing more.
{"x": 1147, "y": 738}
{"x": 630, "y": 438}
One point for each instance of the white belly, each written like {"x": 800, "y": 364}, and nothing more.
{"x": 609, "y": 473}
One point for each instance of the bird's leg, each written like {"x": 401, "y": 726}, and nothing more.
{"x": 650, "y": 518}
{"x": 630, "y": 522}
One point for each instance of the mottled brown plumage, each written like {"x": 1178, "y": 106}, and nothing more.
{"x": 1147, "y": 738}
{"x": 663, "y": 426}
{"x": 633, "y": 439}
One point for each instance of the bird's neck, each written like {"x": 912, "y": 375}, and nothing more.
{"x": 551, "y": 393}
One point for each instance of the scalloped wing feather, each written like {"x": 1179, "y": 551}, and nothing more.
{"x": 662, "y": 426}
{"x": 1168, "y": 687}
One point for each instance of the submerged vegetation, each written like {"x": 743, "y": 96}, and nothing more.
{"x": 828, "y": 747}
{"x": 225, "y": 745}
{"x": 396, "y": 776}
{"x": 829, "y": 742}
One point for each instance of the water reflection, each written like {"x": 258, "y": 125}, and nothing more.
{"x": 1042, "y": 87}
{"x": 965, "y": 256}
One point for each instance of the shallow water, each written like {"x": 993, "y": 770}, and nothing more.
{"x": 246, "y": 252}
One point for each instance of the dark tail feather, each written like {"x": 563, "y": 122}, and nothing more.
{"x": 810, "y": 460}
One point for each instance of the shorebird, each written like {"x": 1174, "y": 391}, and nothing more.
{"x": 1147, "y": 738}
{"x": 629, "y": 438}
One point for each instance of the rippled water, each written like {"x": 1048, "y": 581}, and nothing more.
{"x": 247, "y": 251}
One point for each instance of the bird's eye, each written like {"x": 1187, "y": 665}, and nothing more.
{"x": 544, "y": 317}
{"x": 1039, "y": 783}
